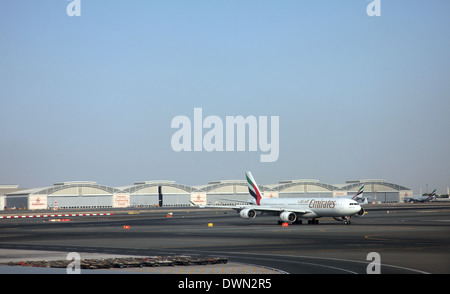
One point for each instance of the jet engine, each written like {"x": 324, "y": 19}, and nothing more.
{"x": 247, "y": 213}
{"x": 288, "y": 216}
{"x": 361, "y": 212}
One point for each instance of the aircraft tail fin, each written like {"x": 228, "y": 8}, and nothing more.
{"x": 360, "y": 193}
{"x": 432, "y": 195}
{"x": 253, "y": 188}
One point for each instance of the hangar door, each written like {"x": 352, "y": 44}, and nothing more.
{"x": 173, "y": 196}
{"x": 384, "y": 197}
{"x": 97, "y": 201}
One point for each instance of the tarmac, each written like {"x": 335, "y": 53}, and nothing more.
{"x": 409, "y": 238}
{"x": 16, "y": 255}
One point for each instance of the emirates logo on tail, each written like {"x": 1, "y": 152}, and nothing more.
{"x": 253, "y": 188}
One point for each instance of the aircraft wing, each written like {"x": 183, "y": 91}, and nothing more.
{"x": 240, "y": 201}
{"x": 277, "y": 209}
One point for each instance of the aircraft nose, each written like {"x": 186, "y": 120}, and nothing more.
{"x": 355, "y": 208}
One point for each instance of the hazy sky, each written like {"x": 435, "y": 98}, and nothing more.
{"x": 92, "y": 97}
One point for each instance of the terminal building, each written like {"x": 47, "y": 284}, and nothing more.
{"x": 90, "y": 195}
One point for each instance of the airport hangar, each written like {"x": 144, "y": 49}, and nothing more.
{"x": 89, "y": 195}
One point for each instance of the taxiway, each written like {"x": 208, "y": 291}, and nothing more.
{"x": 408, "y": 240}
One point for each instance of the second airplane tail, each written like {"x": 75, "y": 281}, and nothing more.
{"x": 359, "y": 194}
{"x": 432, "y": 195}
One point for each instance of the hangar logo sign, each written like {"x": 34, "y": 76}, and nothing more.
{"x": 198, "y": 198}
{"x": 270, "y": 194}
{"x": 121, "y": 200}
{"x": 37, "y": 202}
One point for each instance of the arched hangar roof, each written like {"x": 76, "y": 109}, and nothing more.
{"x": 151, "y": 187}
{"x": 231, "y": 186}
{"x": 286, "y": 186}
{"x": 71, "y": 188}
{"x": 373, "y": 185}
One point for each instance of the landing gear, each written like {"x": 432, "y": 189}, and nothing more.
{"x": 313, "y": 221}
{"x": 347, "y": 221}
{"x": 296, "y": 222}
{"x": 299, "y": 222}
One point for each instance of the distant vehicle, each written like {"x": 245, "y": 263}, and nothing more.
{"x": 420, "y": 199}
{"x": 292, "y": 210}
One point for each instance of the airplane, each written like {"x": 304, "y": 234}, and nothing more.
{"x": 424, "y": 198}
{"x": 358, "y": 197}
{"x": 359, "y": 194}
{"x": 292, "y": 210}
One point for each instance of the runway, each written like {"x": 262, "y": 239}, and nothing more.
{"x": 408, "y": 241}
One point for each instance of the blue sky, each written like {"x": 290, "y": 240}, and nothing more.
{"x": 92, "y": 97}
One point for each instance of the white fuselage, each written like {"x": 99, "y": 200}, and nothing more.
{"x": 317, "y": 207}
